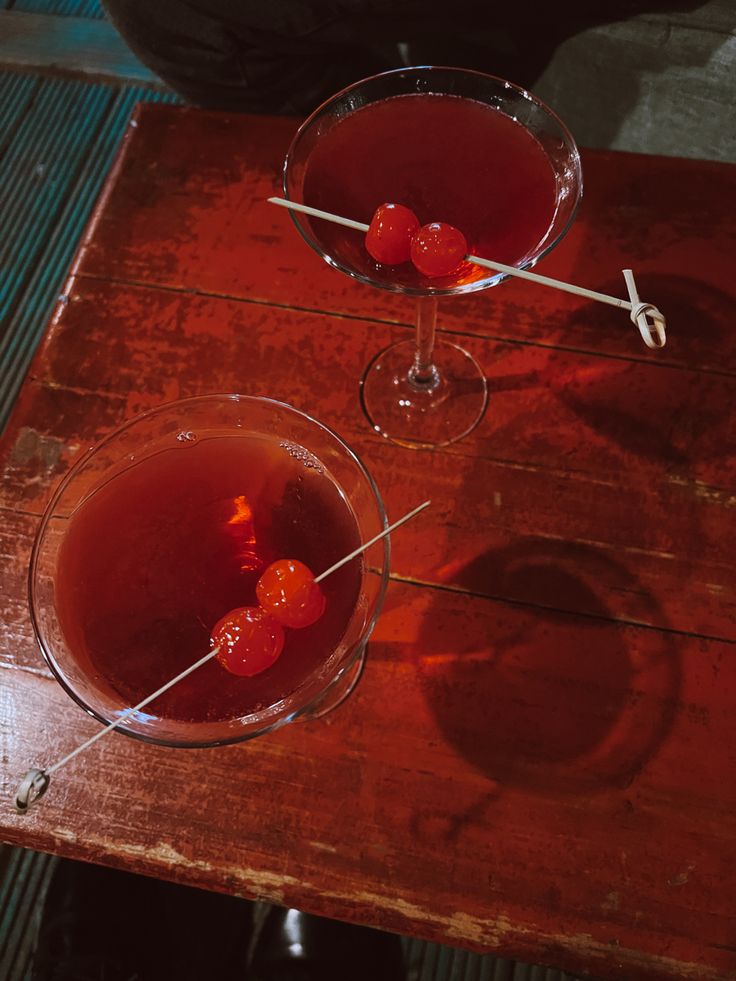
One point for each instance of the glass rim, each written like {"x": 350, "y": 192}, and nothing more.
{"x": 464, "y": 288}
{"x": 277, "y": 707}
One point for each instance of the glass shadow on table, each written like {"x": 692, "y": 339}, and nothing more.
{"x": 564, "y": 703}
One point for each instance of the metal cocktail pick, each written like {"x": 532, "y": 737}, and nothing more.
{"x": 653, "y": 334}
{"x": 36, "y": 782}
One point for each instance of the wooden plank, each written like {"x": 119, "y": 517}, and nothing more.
{"x": 571, "y": 412}
{"x": 464, "y": 792}
{"x": 18, "y": 647}
{"x": 189, "y": 210}
{"x": 624, "y": 533}
{"x": 78, "y": 45}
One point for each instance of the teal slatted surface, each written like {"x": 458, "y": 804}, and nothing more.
{"x": 63, "y": 140}
{"x": 24, "y": 879}
{"x": 433, "y": 962}
{"x": 66, "y": 8}
{"x": 16, "y": 93}
{"x": 39, "y": 169}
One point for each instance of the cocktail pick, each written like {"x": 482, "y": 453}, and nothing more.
{"x": 36, "y": 781}
{"x": 653, "y": 334}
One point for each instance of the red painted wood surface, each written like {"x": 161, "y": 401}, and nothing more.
{"x": 539, "y": 759}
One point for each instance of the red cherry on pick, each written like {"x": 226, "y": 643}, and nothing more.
{"x": 389, "y": 235}
{"x": 249, "y": 640}
{"x": 288, "y": 592}
{"x": 438, "y": 249}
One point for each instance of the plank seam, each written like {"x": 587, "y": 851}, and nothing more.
{"x": 341, "y": 315}
{"x": 527, "y": 604}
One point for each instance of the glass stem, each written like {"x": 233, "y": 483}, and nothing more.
{"x": 423, "y": 375}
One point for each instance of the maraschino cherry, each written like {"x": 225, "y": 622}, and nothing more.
{"x": 394, "y": 236}
{"x": 389, "y": 235}
{"x": 438, "y": 249}
{"x": 250, "y": 640}
{"x": 288, "y": 592}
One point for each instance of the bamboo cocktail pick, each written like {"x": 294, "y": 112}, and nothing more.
{"x": 653, "y": 334}
{"x": 36, "y": 782}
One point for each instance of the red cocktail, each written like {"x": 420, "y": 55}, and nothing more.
{"x": 457, "y": 147}
{"x": 449, "y": 159}
{"x": 166, "y": 527}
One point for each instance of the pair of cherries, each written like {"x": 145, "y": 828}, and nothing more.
{"x": 251, "y": 638}
{"x": 394, "y": 236}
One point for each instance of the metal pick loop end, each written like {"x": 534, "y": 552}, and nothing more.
{"x": 31, "y": 788}
{"x": 653, "y": 334}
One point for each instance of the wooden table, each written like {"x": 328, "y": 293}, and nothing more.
{"x": 540, "y": 758}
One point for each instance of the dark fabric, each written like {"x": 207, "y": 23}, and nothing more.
{"x": 294, "y": 946}
{"x": 287, "y": 56}
{"x": 101, "y": 924}
{"x": 276, "y": 56}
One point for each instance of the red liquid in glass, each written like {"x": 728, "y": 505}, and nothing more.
{"x": 448, "y": 159}
{"x": 156, "y": 556}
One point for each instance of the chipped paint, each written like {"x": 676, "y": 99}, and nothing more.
{"x": 32, "y": 446}
{"x": 681, "y": 878}
{"x": 705, "y": 492}
{"x": 611, "y": 902}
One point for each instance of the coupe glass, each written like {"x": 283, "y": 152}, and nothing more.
{"x": 426, "y": 391}
{"x": 217, "y": 415}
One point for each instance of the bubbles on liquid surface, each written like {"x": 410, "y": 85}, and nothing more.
{"x": 187, "y": 436}
{"x": 303, "y": 456}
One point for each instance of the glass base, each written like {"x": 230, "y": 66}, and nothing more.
{"x": 338, "y": 691}
{"x": 435, "y": 410}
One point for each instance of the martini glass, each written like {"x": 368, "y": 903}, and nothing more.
{"x": 458, "y": 147}
{"x": 149, "y": 540}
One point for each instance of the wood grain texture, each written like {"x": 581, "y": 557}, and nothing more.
{"x": 583, "y": 497}
{"x": 539, "y": 758}
{"x": 520, "y": 809}
{"x": 186, "y": 211}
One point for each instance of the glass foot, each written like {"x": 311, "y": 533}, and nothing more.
{"x": 338, "y": 691}
{"x": 432, "y": 411}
